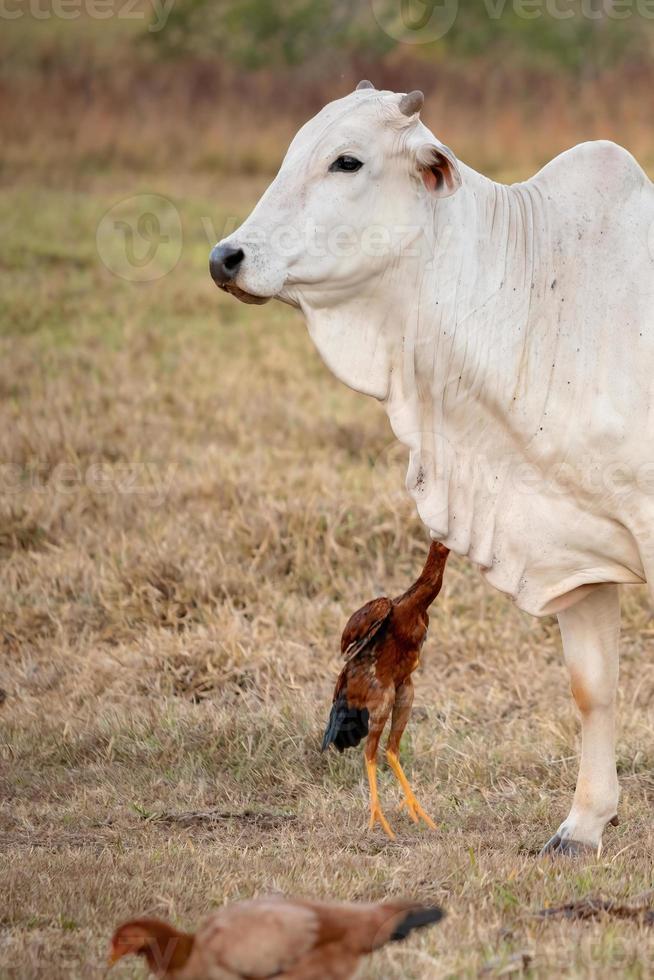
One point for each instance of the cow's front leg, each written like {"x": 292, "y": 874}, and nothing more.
{"x": 590, "y": 633}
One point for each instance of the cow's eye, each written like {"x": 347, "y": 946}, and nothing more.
{"x": 345, "y": 164}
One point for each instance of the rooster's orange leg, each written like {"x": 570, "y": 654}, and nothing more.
{"x": 376, "y": 812}
{"x": 401, "y": 713}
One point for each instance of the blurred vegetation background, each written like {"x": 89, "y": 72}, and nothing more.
{"x": 220, "y": 85}
{"x": 581, "y": 36}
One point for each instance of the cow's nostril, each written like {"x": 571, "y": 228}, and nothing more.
{"x": 224, "y": 263}
{"x": 234, "y": 260}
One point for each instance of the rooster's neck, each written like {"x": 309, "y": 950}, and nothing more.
{"x": 419, "y": 597}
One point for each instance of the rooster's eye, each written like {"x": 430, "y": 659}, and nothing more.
{"x": 345, "y": 164}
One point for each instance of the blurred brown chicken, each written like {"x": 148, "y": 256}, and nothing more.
{"x": 381, "y": 644}
{"x": 271, "y": 937}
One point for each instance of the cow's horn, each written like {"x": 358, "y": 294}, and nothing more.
{"x": 411, "y": 103}
{"x": 364, "y": 83}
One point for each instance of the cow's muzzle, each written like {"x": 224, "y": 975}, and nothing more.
{"x": 224, "y": 264}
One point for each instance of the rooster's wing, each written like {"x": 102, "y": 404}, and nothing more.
{"x": 364, "y": 625}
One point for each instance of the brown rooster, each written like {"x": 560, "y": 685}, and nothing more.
{"x": 381, "y": 645}
{"x": 271, "y": 937}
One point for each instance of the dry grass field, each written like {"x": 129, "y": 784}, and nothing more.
{"x": 191, "y": 506}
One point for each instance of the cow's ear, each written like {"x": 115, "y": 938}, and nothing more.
{"x": 439, "y": 169}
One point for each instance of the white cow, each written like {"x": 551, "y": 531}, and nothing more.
{"x": 509, "y": 333}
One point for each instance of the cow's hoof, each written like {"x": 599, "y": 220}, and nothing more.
{"x": 567, "y": 847}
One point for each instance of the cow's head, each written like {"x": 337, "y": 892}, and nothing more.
{"x": 357, "y": 186}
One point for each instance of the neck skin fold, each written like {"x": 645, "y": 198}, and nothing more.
{"x": 422, "y": 336}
